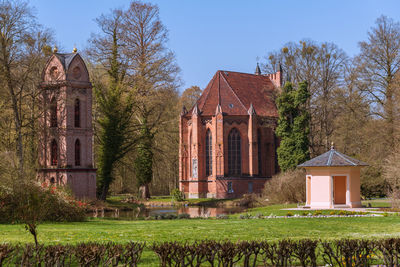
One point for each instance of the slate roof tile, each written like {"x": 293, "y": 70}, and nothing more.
{"x": 66, "y": 59}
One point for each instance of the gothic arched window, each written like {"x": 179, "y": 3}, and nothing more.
{"x": 234, "y": 153}
{"x": 54, "y": 153}
{"x": 53, "y": 112}
{"x": 208, "y": 153}
{"x": 77, "y": 113}
{"x": 259, "y": 147}
{"x": 77, "y": 153}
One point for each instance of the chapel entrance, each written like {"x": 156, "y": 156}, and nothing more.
{"x": 339, "y": 190}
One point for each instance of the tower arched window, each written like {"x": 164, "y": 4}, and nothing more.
{"x": 77, "y": 113}
{"x": 77, "y": 153}
{"x": 208, "y": 153}
{"x": 54, "y": 153}
{"x": 53, "y": 112}
{"x": 190, "y": 155}
{"x": 259, "y": 152}
{"x": 234, "y": 153}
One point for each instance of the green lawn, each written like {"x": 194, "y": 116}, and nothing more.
{"x": 277, "y": 210}
{"x": 378, "y": 203}
{"x": 196, "y": 229}
{"x": 122, "y": 231}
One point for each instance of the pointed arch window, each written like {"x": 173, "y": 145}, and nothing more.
{"x": 234, "y": 153}
{"x": 190, "y": 155}
{"x": 259, "y": 152}
{"x": 54, "y": 153}
{"x": 53, "y": 112}
{"x": 208, "y": 153}
{"x": 77, "y": 113}
{"x": 77, "y": 153}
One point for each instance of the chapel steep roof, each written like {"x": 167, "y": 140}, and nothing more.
{"x": 236, "y": 92}
{"x": 333, "y": 158}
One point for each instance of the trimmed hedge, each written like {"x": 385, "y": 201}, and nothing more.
{"x": 306, "y": 252}
{"x": 84, "y": 254}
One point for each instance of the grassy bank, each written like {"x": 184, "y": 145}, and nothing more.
{"x": 120, "y": 202}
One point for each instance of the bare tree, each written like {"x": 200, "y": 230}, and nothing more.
{"x": 377, "y": 63}
{"x": 354, "y": 116}
{"x": 153, "y": 73}
{"x": 331, "y": 63}
{"x": 190, "y": 96}
{"x": 22, "y": 42}
{"x": 391, "y": 174}
{"x": 322, "y": 66}
{"x": 132, "y": 49}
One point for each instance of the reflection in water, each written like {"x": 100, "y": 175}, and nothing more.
{"x": 194, "y": 212}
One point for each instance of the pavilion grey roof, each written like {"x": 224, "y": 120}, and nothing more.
{"x": 332, "y": 158}
{"x": 66, "y": 59}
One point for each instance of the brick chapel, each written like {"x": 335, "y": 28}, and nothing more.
{"x": 227, "y": 140}
{"x": 66, "y": 137}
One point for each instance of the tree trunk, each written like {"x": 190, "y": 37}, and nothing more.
{"x": 104, "y": 192}
{"x": 14, "y": 103}
{"x": 144, "y": 191}
{"x": 389, "y": 110}
{"x": 32, "y": 229}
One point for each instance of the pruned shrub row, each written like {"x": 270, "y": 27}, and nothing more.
{"x": 244, "y": 253}
{"x": 306, "y": 252}
{"x": 83, "y": 254}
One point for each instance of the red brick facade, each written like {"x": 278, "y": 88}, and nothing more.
{"x": 233, "y": 123}
{"x": 65, "y": 152}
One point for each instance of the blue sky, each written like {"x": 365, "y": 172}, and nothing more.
{"x": 211, "y": 35}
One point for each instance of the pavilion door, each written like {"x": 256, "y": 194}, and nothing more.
{"x": 308, "y": 190}
{"x": 339, "y": 189}
{"x": 267, "y": 160}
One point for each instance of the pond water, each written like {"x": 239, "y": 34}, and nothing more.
{"x": 193, "y": 211}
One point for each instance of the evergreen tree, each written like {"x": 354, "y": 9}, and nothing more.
{"x": 293, "y": 126}
{"x": 144, "y": 160}
{"x": 115, "y": 106}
